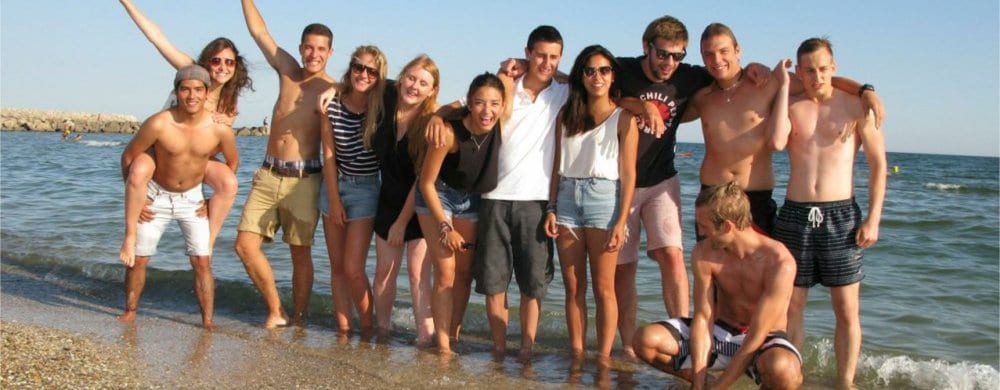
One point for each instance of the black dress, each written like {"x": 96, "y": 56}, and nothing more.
{"x": 398, "y": 174}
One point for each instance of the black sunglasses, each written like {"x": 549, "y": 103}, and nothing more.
{"x": 662, "y": 55}
{"x": 358, "y": 68}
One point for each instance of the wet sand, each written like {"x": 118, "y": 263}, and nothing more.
{"x": 62, "y": 332}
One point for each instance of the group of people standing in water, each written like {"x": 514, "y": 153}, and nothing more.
{"x": 530, "y": 162}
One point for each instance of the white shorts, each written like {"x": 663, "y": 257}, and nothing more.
{"x": 169, "y": 206}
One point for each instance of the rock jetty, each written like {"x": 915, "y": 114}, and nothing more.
{"x": 15, "y": 119}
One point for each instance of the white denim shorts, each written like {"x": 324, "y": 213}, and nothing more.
{"x": 169, "y": 206}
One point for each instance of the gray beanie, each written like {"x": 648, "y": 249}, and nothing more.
{"x": 192, "y": 72}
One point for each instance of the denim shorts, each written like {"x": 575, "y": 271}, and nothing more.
{"x": 587, "y": 203}
{"x": 358, "y": 195}
{"x": 456, "y": 204}
{"x": 169, "y": 206}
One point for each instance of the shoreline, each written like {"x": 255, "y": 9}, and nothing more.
{"x": 47, "y": 121}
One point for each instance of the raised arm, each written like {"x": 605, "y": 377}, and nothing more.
{"x": 773, "y": 306}
{"x": 779, "y": 125}
{"x": 704, "y": 308}
{"x": 508, "y": 98}
{"x": 278, "y": 58}
{"x": 171, "y": 53}
{"x": 873, "y": 142}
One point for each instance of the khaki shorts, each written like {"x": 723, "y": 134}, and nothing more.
{"x": 658, "y": 208}
{"x": 288, "y": 202}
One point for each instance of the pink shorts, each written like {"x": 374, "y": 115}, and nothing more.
{"x": 658, "y": 208}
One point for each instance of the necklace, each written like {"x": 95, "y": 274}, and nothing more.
{"x": 729, "y": 98}
{"x": 479, "y": 143}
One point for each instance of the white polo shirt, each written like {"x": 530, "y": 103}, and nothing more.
{"x": 525, "y": 161}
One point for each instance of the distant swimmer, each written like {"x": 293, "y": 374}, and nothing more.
{"x": 684, "y": 154}
{"x": 742, "y": 288}
{"x": 820, "y": 222}
{"x": 78, "y": 138}
{"x": 185, "y": 137}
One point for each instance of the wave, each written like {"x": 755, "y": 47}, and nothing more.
{"x": 101, "y": 144}
{"x": 900, "y": 371}
{"x": 944, "y": 186}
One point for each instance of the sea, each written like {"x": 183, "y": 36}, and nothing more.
{"x": 930, "y": 306}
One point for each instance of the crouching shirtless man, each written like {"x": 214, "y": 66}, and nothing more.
{"x": 743, "y": 283}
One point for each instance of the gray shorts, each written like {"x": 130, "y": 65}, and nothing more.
{"x": 512, "y": 241}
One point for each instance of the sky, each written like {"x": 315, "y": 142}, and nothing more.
{"x": 936, "y": 65}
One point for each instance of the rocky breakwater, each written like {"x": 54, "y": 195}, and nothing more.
{"x": 15, "y": 119}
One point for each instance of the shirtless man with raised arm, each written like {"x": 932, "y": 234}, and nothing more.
{"x": 821, "y": 222}
{"x": 742, "y": 287}
{"x": 286, "y": 188}
{"x": 734, "y": 122}
{"x": 185, "y": 136}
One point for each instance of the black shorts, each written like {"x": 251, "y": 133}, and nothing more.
{"x": 763, "y": 210}
{"x": 821, "y": 237}
{"x": 511, "y": 240}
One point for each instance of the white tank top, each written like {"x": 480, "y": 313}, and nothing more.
{"x": 593, "y": 153}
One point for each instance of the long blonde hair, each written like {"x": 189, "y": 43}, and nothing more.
{"x": 373, "y": 109}
{"x": 417, "y": 143}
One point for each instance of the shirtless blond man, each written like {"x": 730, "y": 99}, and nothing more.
{"x": 734, "y": 120}
{"x": 821, "y": 222}
{"x": 286, "y": 188}
{"x": 742, "y": 287}
{"x": 185, "y": 136}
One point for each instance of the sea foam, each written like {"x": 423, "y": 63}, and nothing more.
{"x": 943, "y": 186}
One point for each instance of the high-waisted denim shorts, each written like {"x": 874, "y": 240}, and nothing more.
{"x": 587, "y": 202}
{"x": 456, "y": 204}
{"x": 358, "y": 195}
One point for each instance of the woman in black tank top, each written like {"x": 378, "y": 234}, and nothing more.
{"x": 466, "y": 165}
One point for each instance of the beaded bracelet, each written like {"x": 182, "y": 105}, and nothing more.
{"x": 550, "y": 208}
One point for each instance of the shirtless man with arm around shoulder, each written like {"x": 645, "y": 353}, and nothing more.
{"x": 820, "y": 222}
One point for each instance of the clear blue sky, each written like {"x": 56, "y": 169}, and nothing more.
{"x": 935, "y": 64}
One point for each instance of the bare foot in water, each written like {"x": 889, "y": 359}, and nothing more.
{"x": 127, "y": 252}
{"x": 208, "y": 325}
{"x": 276, "y": 321}
{"x": 127, "y": 316}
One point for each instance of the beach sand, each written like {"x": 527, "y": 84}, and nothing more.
{"x": 59, "y": 333}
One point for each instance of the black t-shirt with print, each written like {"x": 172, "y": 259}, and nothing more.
{"x": 655, "y": 162}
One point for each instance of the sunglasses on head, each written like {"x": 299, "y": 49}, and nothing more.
{"x": 662, "y": 55}
{"x": 216, "y": 61}
{"x": 590, "y": 71}
{"x": 359, "y": 68}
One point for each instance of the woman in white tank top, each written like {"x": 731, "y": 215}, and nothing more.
{"x": 591, "y": 189}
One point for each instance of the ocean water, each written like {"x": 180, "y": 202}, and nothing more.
{"x": 930, "y": 301}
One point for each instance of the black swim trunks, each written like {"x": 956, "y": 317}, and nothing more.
{"x": 821, "y": 237}
{"x": 726, "y": 339}
{"x": 763, "y": 210}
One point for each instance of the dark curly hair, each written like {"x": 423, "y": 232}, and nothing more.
{"x": 236, "y": 85}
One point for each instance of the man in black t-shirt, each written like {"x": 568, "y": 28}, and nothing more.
{"x": 657, "y": 87}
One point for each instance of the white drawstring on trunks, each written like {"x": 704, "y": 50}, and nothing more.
{"x": 815, "y": 216}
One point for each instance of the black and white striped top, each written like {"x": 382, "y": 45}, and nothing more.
{"x": 352, "y": 158}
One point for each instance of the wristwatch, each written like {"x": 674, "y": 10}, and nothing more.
{"x": 866, "y": 87}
